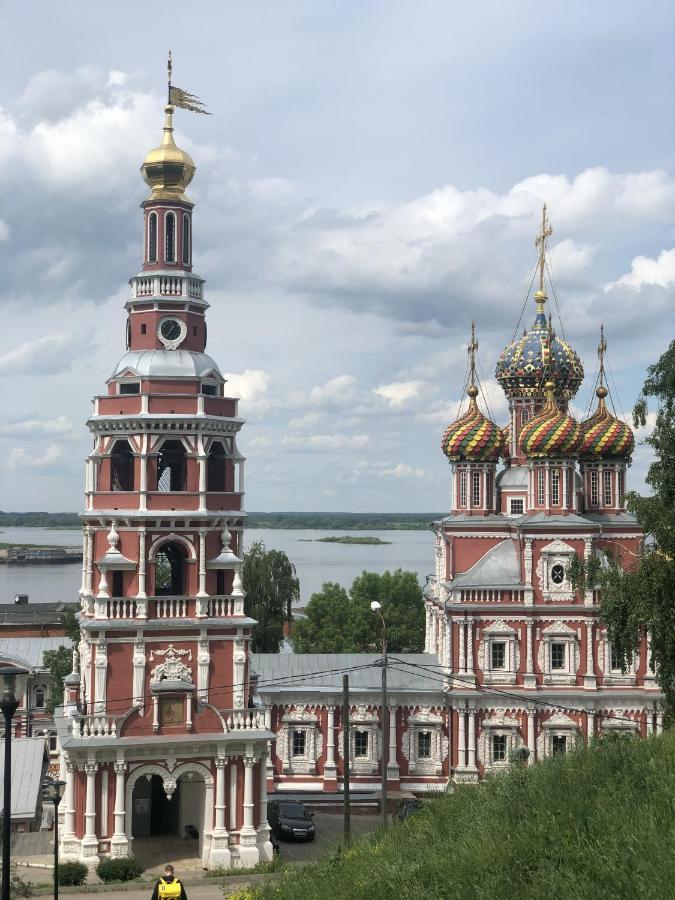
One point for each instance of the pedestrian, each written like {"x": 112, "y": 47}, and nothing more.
{"x": 168, "y": 886}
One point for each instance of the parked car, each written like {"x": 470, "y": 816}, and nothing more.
{"x": 407, "y": 807}
{"x": 290, "y": 820}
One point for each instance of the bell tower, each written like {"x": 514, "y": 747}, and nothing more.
{"x": 159, "y": 705}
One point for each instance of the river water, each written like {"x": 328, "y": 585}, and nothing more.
{"x": 315, "y": 562}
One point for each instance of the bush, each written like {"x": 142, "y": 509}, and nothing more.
{"x": 72, "y": 873}
{"x": 125, "y": 869}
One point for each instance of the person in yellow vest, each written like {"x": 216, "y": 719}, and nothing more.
{"x": 169, "y": 887}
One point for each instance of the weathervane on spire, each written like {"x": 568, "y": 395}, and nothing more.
{"x": 183, "y": 99}
{"x": 602, "y": 349}
{"x": 546, "y": 232}
{"x": 472, "y": 350}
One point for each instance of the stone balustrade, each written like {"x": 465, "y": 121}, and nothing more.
{"x": 157, "y": 285}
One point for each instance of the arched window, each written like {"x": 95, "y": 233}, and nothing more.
{"x": 186, "y": 240}
{"x": 152, "y": 237}
{"x": 215, "y": 471}
{"x": 171, "y": 466}
{"x": 39, "y": 697}
{"x": 122, "y": 467}
{"x": 170, "y": 237}
{"x": 170, "y": 568}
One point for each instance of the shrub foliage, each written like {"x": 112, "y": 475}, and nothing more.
{"x": 72, "y": 873}
{"x": 119, "y": 869}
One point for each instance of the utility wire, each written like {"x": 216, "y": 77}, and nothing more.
{"x": 527, "y": 294}
{"x": 555, "y": 298}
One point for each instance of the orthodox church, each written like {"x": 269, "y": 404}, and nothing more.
{"x": 171, "y": 726}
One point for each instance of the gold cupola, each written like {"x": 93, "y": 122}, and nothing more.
{"x": 167, "y": 169}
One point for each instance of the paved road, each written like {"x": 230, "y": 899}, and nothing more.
{"x": 328, "y": 834}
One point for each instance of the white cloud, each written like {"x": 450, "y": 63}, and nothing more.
{"x": 336, "y": 393}
{"x": 251, "y": 387}
{"x": 402, "y": 470}
{"x": 46, "y": 355}
{"x": 61, "y": 425}
{"x": 327, "y": 442}
{"x": 645, "y": 271}
{"x": 20, "y": 458}
{"x": 397, "y": 392}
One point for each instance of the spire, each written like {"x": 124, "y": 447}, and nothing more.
{"x": 601, "y": 392}
{"x": 472, "y": 349}
{"x": 540, "y": 242}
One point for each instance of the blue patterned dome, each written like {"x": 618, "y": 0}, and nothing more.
{"x": 536, "y": 357}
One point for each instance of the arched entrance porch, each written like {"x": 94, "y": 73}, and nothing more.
{"x": 170, "y": 813}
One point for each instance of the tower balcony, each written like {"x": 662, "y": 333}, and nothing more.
{"x": 220, "y": 606}
{"x": 167, "y": 501}
{"x": 164, "y": 404}
{"x": 166, "y": 284}
{"x": 104, "y": 727}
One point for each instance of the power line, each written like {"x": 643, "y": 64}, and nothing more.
{"x": 527, "y": 294}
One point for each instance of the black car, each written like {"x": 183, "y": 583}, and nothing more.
{"x": 290, "y": 820}
{"x": 407, "y": 807}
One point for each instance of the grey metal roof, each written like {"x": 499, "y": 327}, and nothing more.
{"x": 273, "y": 667}
{"x": 27, "y": 764}
{"x": 30, "y": 613}
{"x": 498, "y": 568}
{"x": 513, "y": 477}
{"x": 167, "y": 363}
{"x": 27, "y": 651}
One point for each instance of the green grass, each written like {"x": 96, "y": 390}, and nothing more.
{"x": 599, "y": 823}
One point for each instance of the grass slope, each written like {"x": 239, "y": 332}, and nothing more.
{"x": 599, "y": 823}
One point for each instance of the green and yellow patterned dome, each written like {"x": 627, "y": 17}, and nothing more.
{"x": 604, "y": 435}
{"x": 553, "y": 433}
{"x": 473, "y": 437}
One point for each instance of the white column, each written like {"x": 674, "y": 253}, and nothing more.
{"x": 589, "y": 675}
{"x": 233, "y": 795}
{"x": 104, "y": 803}
{"x": 119, "y": 843}
{"x": 69, "y": 798}
{"x": 461, "y": 738}
{"x": 469, "y": 646}
{"x": 590, "y": 723}
{"x": 472, "y": 739}
{"x": 201, "y": 462}
{"x": 143, "y": 480}
{"x": 659, "y": 722}
{"x": 426, "y": 627}
{"x": 531, "y": 740}
{"x": 265, "y": 848}
{"x": 330, "y": 770}
{"x": 462, "y": 648}
{"x": 248, "y": 851}
{"x": 142, "y": 595}
{"x": 220, "y": 764}
{"x": 90, "y": 841}
{"x": 392, "y": 761}
{"x": 101, "y": 669}
{"x": 530, "y": 678}
{"x": 202, "y": 566}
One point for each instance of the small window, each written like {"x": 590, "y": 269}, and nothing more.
{"x": 524, "y": 417}
{"x": 557, "y": 573}
{"x": 616, "y": 660}
{"x": 424, "y": 744}
{"x": 118, "y": 584}
{"x": 299, "y": 743}
{"x": 216, "y": 468}
{"x": 558, "y": 652}
{"x": 497, "y": 655}
{"x": 498, "y": 747}
{"x": 53, "y": 743}
{"x": 122, "y": 467}
{"x": 209, "y": 389}
{"x": 541, "y": 489}
{"x": 152, "y": 238}
{"x": 39, "y": 697}
{"x": 594, "y": 488}
{"x": 558, "y": 743}
{"x": 144, "y": 328}
{"x": 475, "y": 488}
{"x": 555, "y": 488}
{"x": 186, "y": 240}
{"x": 607, "y": 487}
{"x": 462, "y": 488}
{"x": 170, "y": 238}
{"x": 622, "y": 485}
{"x": 361, "y": 743}
{"x": 220, "y": 582}
{"x": 131, "y": 388}
{"x": 517, "y": 507}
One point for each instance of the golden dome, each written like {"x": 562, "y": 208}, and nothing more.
{"x": 168, "y": 169}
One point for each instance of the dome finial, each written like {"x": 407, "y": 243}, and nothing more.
{"x": 602, "y": 349}
{"x": 540, "y": 241}
{"x": 472, "y": 390}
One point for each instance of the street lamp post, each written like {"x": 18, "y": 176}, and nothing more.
{"x": 11, "y": 677}
{"x": 54, "y": 792}
{"x": 377, "y": 607}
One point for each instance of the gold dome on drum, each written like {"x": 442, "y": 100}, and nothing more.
{"x": 167, "y": 169}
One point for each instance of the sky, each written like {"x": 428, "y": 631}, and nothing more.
{"x": 369, "y": 183}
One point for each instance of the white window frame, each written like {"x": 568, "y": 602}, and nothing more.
{"x": 498, "y": 725}
{"x": 595, "y": 495}
{"x": 607, "y": 487}
{"x": 557, "y": 552}
{"x": 363, "y": 718}
{"x": 560, "y": 633}
{"x": 513, "y": 500}
{"x": 475, "y": 489}
{"x": 555, "y": 487}
{"x": 557, "y": 725}
{"x": 304, "y": 720}
{"x": 541, "y": 486}
{"x": 612, "y": 675}
{"x": 425, "y": 719}
{"x": 499, "y": 633}
{"x": 462, "y": 488}
{"x": 167, "y": 216}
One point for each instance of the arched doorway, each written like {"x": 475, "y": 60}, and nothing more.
{"x": 152, "y": 812}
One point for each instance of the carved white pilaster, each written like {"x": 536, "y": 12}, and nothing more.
{"x": 202, "y": 565}
{"x": 589, "y": 675}
{"x": 90, "y": 841}
{"x": 530, "y": 679}
{"x": 139, "y": 674}
{"x": 238, "y": 594}
{"x": 141, "y": 605}
{"x": 392, "y": 762}
{"x": 233, "y": 795}
{"x": 531, "y": 739}
{"x": 203, "y": 663}
{"x": 588, "y": 550}
{"x": 119, "y": 846}
{"x": 527, "y": 559}
{"x": 329, "y": 769}
{"x": 101, "y": 670}
{"x": 238, "y": 664}
{"x": 462, "y": 647}
{"x": 461, "y": 738}
{"x": 472, "y": 739}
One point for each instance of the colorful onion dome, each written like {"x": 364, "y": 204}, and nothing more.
{"x": 604, "y": 435}
{"x": 167, "y": 169}
{"x": 473, "y": 436}
{"x": 552, "y": 433}
{"x": 536, "y": 355}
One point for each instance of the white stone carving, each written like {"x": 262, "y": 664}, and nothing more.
{"x": 363, "y": 719}
{"x": 559, "y": 725}
{"x": 557, "y": 552}
{"x": 301, "y": 719}
{"x": 425, "y": 720}
{"x": 560, "y": 633}
{"x": 173, "y": 668}
{"x": 501, "y": 724}
{"x": 499, "y": 631}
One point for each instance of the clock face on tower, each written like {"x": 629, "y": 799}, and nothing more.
{"x": 171, "y": 332}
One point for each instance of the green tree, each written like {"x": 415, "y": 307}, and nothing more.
{"x": 70, "y": 625}
{"x": 638, "y": 592}
{"x": 341, "y": 622}
{"x": 60, "y": 663}
{"x": 271, "y": 587}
